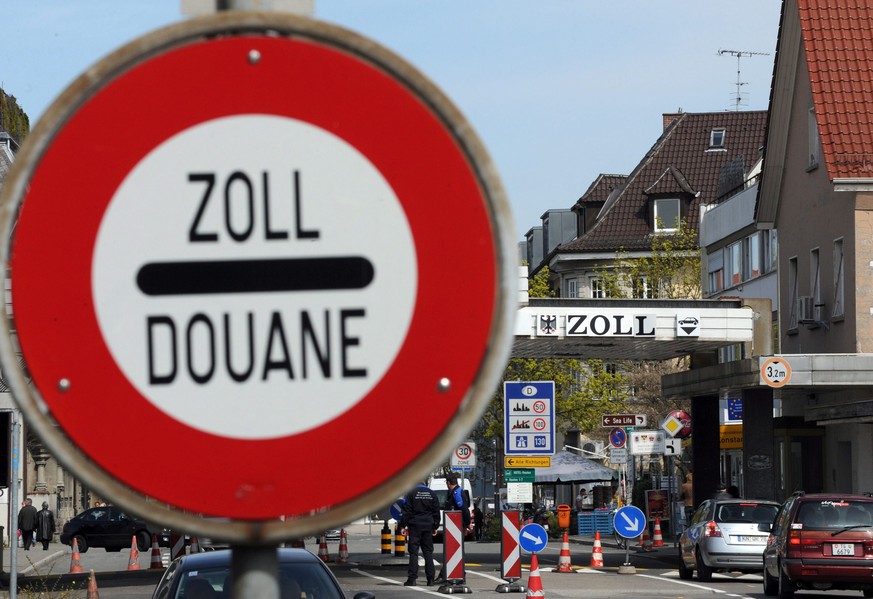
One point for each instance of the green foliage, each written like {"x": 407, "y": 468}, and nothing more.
{"x": 538, "y": 285}
{"x": 13, "y": 119}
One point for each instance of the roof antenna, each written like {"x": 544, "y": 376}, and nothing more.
{"x": 740, "y": 83}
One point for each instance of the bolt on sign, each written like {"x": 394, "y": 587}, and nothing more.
{"x": 258, "y": 275}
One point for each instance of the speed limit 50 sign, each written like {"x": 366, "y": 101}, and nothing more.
{"x": 229, "y": 238}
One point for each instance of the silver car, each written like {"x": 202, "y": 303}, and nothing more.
{"x": 723, "y": 535}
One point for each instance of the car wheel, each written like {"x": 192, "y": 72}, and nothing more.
{"x": 143, "y": 541}
{"x": 704, "y": 572}
{"x": 81, "y": 543}
{"x": 786, "y": 589}
{"x": 685, "y": 573}
{"x": 771, "y": 585}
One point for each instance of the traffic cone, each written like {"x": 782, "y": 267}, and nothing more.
{"x": 75, "y": 566}
{"x": 534, "y": 583}
{"x": 156, "y": 563}
{"x": 322, "y": 549}
{"x": 645, "y": 540}
{"x": 92, "y": 587}
{"x": 658, "y": 540}
{"x": 133, "y": 561}
{"x": 298, "y": 543}
{"x": 195, "y": 545}
{"x": 564, "y": 564}
{"x": 597, "y": 552}
{"x": 343, "y": 555}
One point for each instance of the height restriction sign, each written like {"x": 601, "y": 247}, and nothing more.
{"x": 231, "y": 249}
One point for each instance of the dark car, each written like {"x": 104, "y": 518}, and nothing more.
{"x": 109, "y": 527}
{"x": 302, "y": 575}
{"x": 723, "y": 535}
{"x": 822, "y": 542}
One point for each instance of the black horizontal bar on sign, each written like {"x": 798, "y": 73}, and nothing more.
{"x": 254, "y": 276}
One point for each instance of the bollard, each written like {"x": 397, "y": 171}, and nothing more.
{"x": 386, "y": 539}
{"x": 399, "y": 542}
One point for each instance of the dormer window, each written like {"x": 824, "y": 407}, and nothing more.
{"x": 716, "y": 139}
{"x": 667, "y": 215}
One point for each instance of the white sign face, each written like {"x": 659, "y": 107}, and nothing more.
{"x": 464, "y": 456}
{"x": 519, "y": 492}
{"x": 618, "y": 455}
{"x": 262, "y": 211}
{"x": 672, "y": 447}
{"x": 646, "y": 442}
{"x": 687, "y": 324}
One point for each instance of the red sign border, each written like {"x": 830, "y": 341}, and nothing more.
{"x": 485, "y": 331}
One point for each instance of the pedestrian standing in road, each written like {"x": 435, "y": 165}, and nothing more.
{"x": 478, "y": 521}
{"x": 419, "y": 521}
{"x": 45, "y": 526}
{"x": 27, "y": 523}
{"x": 687, "y": 497}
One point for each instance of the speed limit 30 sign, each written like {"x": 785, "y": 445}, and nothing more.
{"x": 232, "y": 242}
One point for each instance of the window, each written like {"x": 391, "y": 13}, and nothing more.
{"x": 642, "y": 289}
{"x": 815, "y": 282}
{"x": 716, "y": 280}
{"x": 667, "y": 214}
{"x": 814, "y": 145}
{"x": 716, "y": 139}
{"x": 839, "y": 280}
{"x": 571, "y": 288}
{"x": 597, "y": 291}
{"x": 771, "y": 255}
{"x": 735, "y": 263}
{"x": 792, "y": 293}
{"x": 753, "y": 256}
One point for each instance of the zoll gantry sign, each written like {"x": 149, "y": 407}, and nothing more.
{"x": 231, "y": 273}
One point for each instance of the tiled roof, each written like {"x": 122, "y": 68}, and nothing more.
{"x": 838, "y": 41}
{"x": 600, "y": 189}
{"x": 681, "y": 161}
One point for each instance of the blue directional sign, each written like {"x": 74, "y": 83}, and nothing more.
{"x": 396, "y": 508}
{"x": 533, "y": 538}
{"x": 629, "y": 522}
{"x": 529, "y": 418}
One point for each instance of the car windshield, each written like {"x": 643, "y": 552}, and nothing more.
{"x": 747, "y": 512}
{"x": 296, "y": 581}
{"x": 834, "y": 514}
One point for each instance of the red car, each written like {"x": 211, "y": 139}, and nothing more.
{"x": 820, "y": 542}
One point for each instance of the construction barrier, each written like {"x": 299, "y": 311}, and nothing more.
{"x": 657, "y": 539}
{"x": 92, "y": 587}
{"x": 386, "y": 539}
{"x": 343, "y": 555}
{"x": 399, "y": 542}
{"x": 156, "y": 563}
{"x": 322, "y": 549}
{"x": 195, "y": 545}
{"x": 534, "y": 582}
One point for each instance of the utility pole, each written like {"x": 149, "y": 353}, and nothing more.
{"x": 739, "y": 54}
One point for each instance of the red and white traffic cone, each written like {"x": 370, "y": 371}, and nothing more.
{"x": 597, "y": 552}
{"x": 564, "y": 564}
{"x": 92, "y": 587}
{"x": 343, "y": 555}
{"x": 534, "y": 582}
{"x": 657, "y": 540}
{"x": 322, "y": 549}
{"x": 156, "y": 563}
{"x": 133, "y": 561}
{"x": 646, "y": 540}
{"x": 75, "y": 566}
{"x": 195, "y": 545}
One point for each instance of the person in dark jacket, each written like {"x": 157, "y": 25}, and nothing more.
{"x": 45, "y": 525}
{"x": 27, "y": 523}
{"x": 419, "y": 521}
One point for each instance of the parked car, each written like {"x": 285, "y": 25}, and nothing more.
{"x": 109, "y": 527}
{"x": 207, "y": 576}
{"x": 724, "y": 535}
{"x": 822, "y": 542}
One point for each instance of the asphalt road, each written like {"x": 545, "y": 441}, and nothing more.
{"x": 655, "y": 575}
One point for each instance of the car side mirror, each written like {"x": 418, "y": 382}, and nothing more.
{"x": 765, "y": 526}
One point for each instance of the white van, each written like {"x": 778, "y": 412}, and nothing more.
{"x": 441, "y": 488}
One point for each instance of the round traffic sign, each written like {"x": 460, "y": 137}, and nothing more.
{"x": 255, "y": 274}
{"x": 617, "y": 437}
{"x": 464, "y": 451}
{"x": 775, "y": 372}
{"x": 629, "y": 521}
{"x": 533, "y": 538}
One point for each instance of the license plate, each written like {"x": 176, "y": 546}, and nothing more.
{"x": 843, "y": 548}
{"x": 750, "y": 539}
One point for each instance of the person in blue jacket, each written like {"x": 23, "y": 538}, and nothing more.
{"x": 419, "y": 522}
{"x": 457, "y": 499}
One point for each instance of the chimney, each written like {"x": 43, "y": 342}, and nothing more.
{"x": 669, "y": 118}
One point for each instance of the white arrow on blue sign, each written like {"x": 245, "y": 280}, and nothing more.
{"x": 629, "y": 522}
{"x": 532, "y": 538}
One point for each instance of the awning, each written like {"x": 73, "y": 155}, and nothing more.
{"x": 568, "y": 467}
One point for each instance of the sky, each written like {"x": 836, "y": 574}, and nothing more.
{"x": 558, "y": 91}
